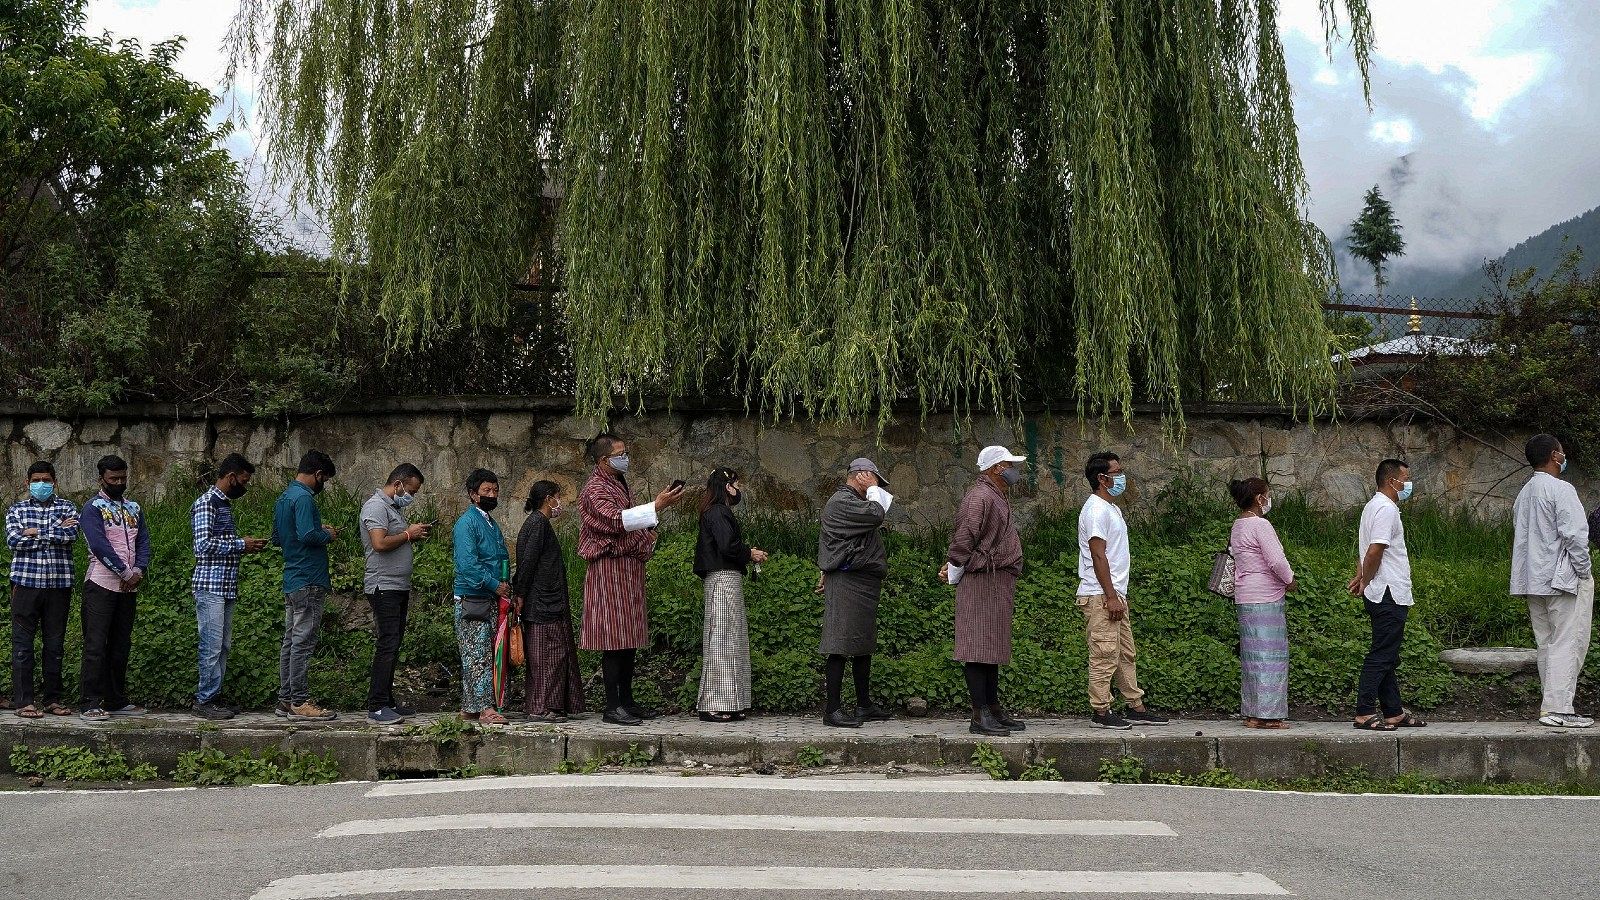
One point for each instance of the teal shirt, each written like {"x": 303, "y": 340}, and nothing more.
{"x": 480, "y": 555}
{"x": 297, "y": 528}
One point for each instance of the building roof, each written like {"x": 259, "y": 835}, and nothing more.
{"x": 1411, "y": 346}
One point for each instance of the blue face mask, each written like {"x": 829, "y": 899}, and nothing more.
{"x": 401, "y": 501}
{"x": 1405, "y": 492}
{"x": 620, "y": 463}
{"x": 1119, "y": 483}
{"x": 1012, "y": 476}
{"x": 1563, "y": 464}
{"x": 42, "y": 490}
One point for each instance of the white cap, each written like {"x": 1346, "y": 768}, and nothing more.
{"x": 996, "y": 454}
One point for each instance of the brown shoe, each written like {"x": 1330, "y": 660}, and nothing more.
{"x": 310, "y": 710}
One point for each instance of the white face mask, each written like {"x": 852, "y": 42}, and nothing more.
{"x": 1266, "y": 506}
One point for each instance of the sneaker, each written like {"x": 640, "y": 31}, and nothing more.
{"x": 405, "y": 711}
{"x": 132, "y": 710}
{"x": 94, "y": 715}
{"x": 385, "y": 716}
{"x": 281, "y": 710}
{"x": 1109, "y": 719}
{"x": 310, "y": 710}
{"x": 212, "y": 710}
{"x": 1565, "y": 720}
{"x": 1146, "y": 717}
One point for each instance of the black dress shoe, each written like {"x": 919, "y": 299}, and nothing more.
{"x": 643, "y": 712}
{"x": 1006, "y": 721}
{"x": 621, "y": 716}
{"x": 985, "y": 723}
{"x": 873, "y": 713}
{"x": 840, "y": 719}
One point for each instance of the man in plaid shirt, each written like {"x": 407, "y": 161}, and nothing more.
{"x": 40, "y": 531}
{"x": 217, "y": 550}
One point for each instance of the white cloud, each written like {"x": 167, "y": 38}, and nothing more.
{"x": 1391, "y": 131}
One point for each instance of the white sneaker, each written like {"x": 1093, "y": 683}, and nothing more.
{"x": 1565, "y": 720}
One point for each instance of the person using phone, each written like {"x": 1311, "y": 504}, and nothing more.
{"x": 40, "y": 530}
{"x": 720, "y": 559}
{"x": 215, "y": 582}
{"x": 388, "y": 539}
{"x": 297, "y": 528}
{"x": 616, "y": 538}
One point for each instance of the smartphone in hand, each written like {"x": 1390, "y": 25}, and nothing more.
{"x": 677, "y": 483}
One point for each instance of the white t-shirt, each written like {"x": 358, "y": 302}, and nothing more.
{"x": 1380, "y": 524}
{"x": 1103, "y": 520}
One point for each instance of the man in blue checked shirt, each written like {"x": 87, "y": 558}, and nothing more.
{"x": 40, "y": 531}
{"x": 217, "y": 551}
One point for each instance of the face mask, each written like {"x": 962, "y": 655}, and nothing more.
{"x": 234, "y": 491}
{"x": 555, "y": 511}
{"x": 1405, "y": 492}
{"x": 114, "y": 491}
{"x": 620, "y": 463}
{"x": 487, "y": 504}
{"x": 42, "y": 490}
{"x": 735, "y": 497}
{"x": 1267, "y": 506}
{"x": 1563, "y": 464}
{"x": 1012, "y": 476}
{"x": 403, "y": 500}
{"x": 317, "y": 488}
{"x": 1119, "y": 483}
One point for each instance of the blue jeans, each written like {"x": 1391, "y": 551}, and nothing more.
{"x": 302, "y": 623}
{"x": 214, "y": 614}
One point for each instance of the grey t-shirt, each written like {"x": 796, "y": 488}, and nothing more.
{"x": 391, "y": 570}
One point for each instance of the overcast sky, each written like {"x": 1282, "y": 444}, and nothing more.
{"x": 1483, "y": 130}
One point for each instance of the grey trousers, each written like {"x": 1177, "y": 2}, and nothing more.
{"x": 302, "y": 625}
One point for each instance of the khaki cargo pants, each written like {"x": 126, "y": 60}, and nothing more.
{"x": 1111, "y": 654}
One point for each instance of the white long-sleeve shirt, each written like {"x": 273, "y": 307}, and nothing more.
{"x": 1550, "y": 553}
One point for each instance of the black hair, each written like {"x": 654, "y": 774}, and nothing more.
{"x": 316, "y": 461}
{"x": 479, "y": 478}
{"x": 717, "y": 487}
{"x": 1540, "y": 448}
{"x": 599, "y": 446}
{"x": 1388, "y": 469}
{"x": 1246, "y": 491}
{"x": 234, "y": 463}
{"x": 404, "y": 471}
{"x": 42, "y": 467}
{"x": 541, "y": 491}
{"x": 111, "y": 463}
{"x": 1099, "y": 464}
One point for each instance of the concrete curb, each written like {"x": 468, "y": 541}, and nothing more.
{"x": 1463, "y": 751}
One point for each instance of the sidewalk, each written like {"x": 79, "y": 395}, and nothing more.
{"x": 1466, "y": 751}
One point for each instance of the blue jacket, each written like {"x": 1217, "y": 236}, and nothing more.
{"x": 297, "y": 528}
{"x": 480, "y": 555}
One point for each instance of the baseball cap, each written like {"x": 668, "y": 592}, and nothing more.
{"x": 862, "y": 464}
{"x": 996, "y": 454}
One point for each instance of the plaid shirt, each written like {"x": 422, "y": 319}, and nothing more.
{"x": 217, "y": 545}
{"x": 43, "y": 560}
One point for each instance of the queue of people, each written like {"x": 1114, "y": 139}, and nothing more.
{"x": 1551, "y": 570}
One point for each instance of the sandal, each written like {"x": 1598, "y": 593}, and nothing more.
{"x": 1275, "y": 724}
{"x": 1375, "y": 723}
{"x": 57, "y": 709}
{"x": 718, "y": 717}
{"x": 491, "y": 717}
{"x": 1407, "y": 720}
{"x": 29, "y": 712}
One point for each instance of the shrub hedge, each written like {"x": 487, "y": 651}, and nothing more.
{"x": 1187, "y": 637}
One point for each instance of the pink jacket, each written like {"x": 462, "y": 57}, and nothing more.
{"x": 1261, "y": 572}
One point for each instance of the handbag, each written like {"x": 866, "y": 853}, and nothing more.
{"x": 1221, "y": 580}
{"x": 474, "y": 609}
{"x": 514, "y": 638}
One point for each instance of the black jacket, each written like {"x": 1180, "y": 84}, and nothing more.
{"x": 541, "y": 579}
{"x": 721, "y": 545}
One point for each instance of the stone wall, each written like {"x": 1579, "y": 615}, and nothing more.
{"x": 790, "y": 466}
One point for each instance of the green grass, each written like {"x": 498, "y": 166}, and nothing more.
{"x": 1130, "y": 770}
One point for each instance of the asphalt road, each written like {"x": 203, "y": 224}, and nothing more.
{"x": 616, "y": 836}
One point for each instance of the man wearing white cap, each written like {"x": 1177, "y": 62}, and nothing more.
{"x": 984, "y": 562}
{"x": 854, "y": 561}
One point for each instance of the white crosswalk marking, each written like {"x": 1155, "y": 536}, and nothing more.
{"x": 739, "y": 782}
{"x": 501, "y": 821}
{"x": 763, "y": 878}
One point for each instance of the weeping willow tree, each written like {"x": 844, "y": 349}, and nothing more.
{"x": 826, "y": 206}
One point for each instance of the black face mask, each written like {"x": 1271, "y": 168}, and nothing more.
{"x": 317, "y": 488}
{"x": 487, "y": 504}
{"x": 114, "y": 491}
{"x": 234, "y": 491}
{"x": 734, "y": 498}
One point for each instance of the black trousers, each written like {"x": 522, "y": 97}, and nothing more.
{"x": 389, "y": 612}
{"x": 107, "y": 642}
{"x": 1379, "y": 685}
{"x": 833, "y": 680}
{"x": 983, "y": 684}
{"x": 35, "y": 610}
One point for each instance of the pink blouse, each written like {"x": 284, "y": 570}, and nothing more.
{"x": 1261, "y": 572}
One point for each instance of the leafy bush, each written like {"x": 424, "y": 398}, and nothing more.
{"x": 213, "y": 767}
{"x": 59, "y": 763}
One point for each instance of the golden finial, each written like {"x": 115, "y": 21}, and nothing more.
{"x": 1416, "y": 318}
